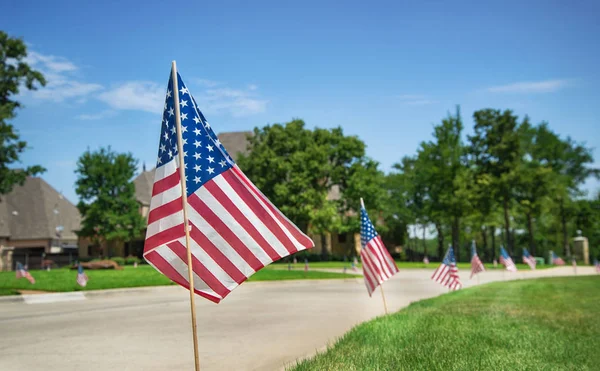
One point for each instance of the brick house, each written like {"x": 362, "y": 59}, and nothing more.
{"x": 36, "y": 221}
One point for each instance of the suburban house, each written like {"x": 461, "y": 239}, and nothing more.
{"x": 36, "y": 223}
{"x": 236, "y": 143}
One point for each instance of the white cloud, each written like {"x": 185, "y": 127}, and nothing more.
{"x": 96, "y": 116}
{"x": 236, "y": 102}
{"x": 546, "y": 86}
{"x": 206, "y": 82}
{"x": 61, "y": 82}
{"x": 414, "y": 100}
{"x": 136, "y": 95}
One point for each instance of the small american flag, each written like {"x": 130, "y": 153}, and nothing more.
{"x": 506, "y": 260}
{"x": 527, "y": 258}
{"x": 597, "y": 265}
{"x": 82, "y": 278}
{"x": 447, "y": 273}
{"x": 476, "y": 264}
{"x": 378, "y": 265}
{"x": 234, "y": 229}
{"x": 557, "y": 260}
{"x": 22, "y": 272}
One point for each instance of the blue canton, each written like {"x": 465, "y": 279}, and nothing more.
{"x": 449, "y": 258}
{"x": 367, "y": 230}
{"x": 203, "y": 154}
{"x": 473, "y": 250}
{"x": 504, "y": 253}
{"x": 526, "y": 253}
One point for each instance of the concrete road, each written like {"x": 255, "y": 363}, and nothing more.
{"x": 260, "y": 326}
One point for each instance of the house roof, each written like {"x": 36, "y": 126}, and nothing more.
{"x": 34, "y": 211}
{"x": 234, "y": 142}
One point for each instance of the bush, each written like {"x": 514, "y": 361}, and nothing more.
{"x": 130, "y": 260}
{"x": 119, "y": 260}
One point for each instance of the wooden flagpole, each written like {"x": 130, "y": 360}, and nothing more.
{"x": 383, "y": 296}
{"x": 185, "y": 218}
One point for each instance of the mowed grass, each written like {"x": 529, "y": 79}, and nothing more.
{"x": 63, "y": 280}
{"x": 401, "y": 265}
{"x": 543, "y": 324}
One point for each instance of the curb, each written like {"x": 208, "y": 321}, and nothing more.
{"x": 12, "y": 299}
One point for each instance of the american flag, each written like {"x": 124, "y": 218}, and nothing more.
{"x": 527, "y": 258}
{"x": 506, "y": 260}
{"x": 447, "y": 272}
{"x": 21, "y": 272}
{"x": 234, "y": 229}
{"x": 597, "y": 265}
{"x": 476, "y": 264}
{"x": 557, "y": 260}
{"x": 82, "y": 278}
{"x": 378, "y": 265}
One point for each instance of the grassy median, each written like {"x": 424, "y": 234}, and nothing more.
{"x": 543, "y": 324}
{"x": 63, "y": 280}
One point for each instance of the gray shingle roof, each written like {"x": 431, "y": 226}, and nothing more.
{"x": 35, "y": 209}
{"x": 234, "y": 142}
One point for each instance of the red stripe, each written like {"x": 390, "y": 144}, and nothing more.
{"x": 166, "y": 183}
{"x": 225, "y": 232}
{"x": 216, "y": 255}
{"x": 167, "y": 269}
{"x": 375, "y": 258}
{"x": 368, "y": 279}
{"x": 199, "y": 269}
{"x": 373, "y": 268}
{"x": 233, "y": 210}
{"x": 299, "y": 236}
{"x": 259, "y": 210}
{"x": 165, "y": 210}
{"x": 386, "y": 254}
{"x": 163, "y": 237}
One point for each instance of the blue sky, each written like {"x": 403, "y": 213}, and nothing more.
{"x": 385, "y": 71}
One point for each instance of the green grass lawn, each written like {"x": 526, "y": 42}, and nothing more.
{"x": 401, "y": 265}
{"x": 543, "y": 324}
{"x": 62, "y": 280}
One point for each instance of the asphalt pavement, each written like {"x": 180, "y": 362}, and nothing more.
{"x": 259, "y": 326}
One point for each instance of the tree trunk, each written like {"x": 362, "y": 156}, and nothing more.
{"x": 485, "y": 245}
{"x": 563, "y": 222}
{"x": 493, "y": 233}
{"x": 456, "y": 237}
{"x": 424, "y": 240}
{"x": 324, "y": 252}
{"x": 531, "y": 235}
{"x": 507, "y": 226}
{"x": 440, "y": 240}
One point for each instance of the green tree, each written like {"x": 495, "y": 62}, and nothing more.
{"x": 107, "y": 203}
{"x": 14, "y": 73}
{"x": 496, "y": 150}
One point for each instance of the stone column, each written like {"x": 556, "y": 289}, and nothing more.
{"x": 581, "y": 250}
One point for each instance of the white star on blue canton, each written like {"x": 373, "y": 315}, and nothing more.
{"x": 197, "y": 131}
{"x": 171, "y": 112}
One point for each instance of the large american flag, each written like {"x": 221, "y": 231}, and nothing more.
{"x": 234, "y": 229}
{"x": 447, "y": 273}
{"x": 506, "y": 260}
{"x": 476, "y": 264}
{"x": 82, "y": 278}
{"x": 557, "y": 260}
{"x": 22, "y": 272}
{"x": 378, "y": 265}
{"x": 527, "y": 258}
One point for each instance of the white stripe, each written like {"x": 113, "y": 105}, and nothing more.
{"x": 372, "y": 257}
{"x": 233, "y": 225}
{"x": 251, "y": 216}
{"x": 270, "y": 203}
{"x": 165, "y": 197}
{"x": 295, "y": 242}
{"x": 181, "y": 267}
{"x": 367, "y": 273}
{"x": 386, "y": 255}
{"x": 211, "y": 265}
{"x": 440, "y": 272}
{"x": 164, "y": 224}
{"x": 381, "y": 253}
{"x": 166, "y": 170}
{"x": 221, "y": 244}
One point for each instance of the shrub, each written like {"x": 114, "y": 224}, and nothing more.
{"x": 119, "y": 260}
{"x": 130, "y": 260}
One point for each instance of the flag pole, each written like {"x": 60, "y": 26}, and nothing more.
{"x": 185, "y": 218}
{"x": 383, "y": 296}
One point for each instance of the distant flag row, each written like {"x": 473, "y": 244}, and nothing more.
{"x": 528, "y": 259}
{"x": 22, "y": 272}
{"x": 447, "y": 273}
{"x": 476, "y": 264}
